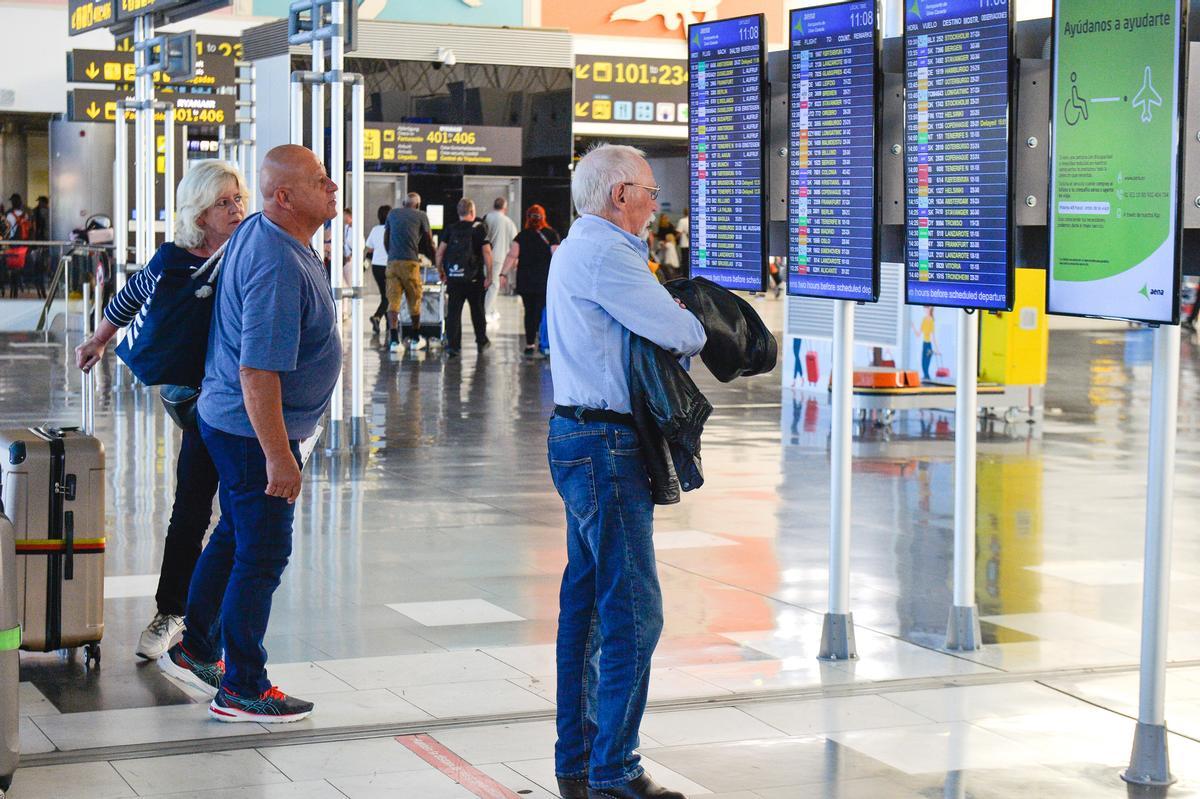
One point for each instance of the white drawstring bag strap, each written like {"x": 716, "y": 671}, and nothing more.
{"x": 213, "y": 263}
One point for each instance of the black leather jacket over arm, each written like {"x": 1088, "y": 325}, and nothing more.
{"x": 669, "y": 411}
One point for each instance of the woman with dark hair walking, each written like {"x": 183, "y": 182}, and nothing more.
{"x": 529, "y": 259}
{"x": 376, "y": 250}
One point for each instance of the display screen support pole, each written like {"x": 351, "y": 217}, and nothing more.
{"x": 1148, "y": 762}
{"x": 318, "y": 123}
{"x": 962, "y": 632}
{"x": 336, "y": 440}
{"x": 169, "y": 171}
{"x": 358, "y": 419}
{"x": 837, "y": 631}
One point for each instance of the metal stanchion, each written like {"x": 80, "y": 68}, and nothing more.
{"x": 962, "y": 630}
{"x": 323, "y": 24}
{"x": 358, "y": 420}
{"x": 169, "y": 172}
{"x": 318, "y": 118}
{"x": 1149, "y": 763}
{"x": 296, "y": 107}
{"x": 837, "y": 633}
{"x": 252, "y": 147}
{"x": 336, "y": 439}
{"x": 183, "y": 144}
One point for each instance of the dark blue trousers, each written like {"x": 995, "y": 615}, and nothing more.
{"x": 229, "y": 602}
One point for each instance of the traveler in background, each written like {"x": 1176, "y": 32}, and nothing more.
{"x": 665, "y": 228}
{"x": 600, "y": 294}
{"x": 500, "y": 234}
{"x": 668, "y": 257}
{"x": 41, "y": 218}
{"x": 273, "y": 359}
{"x": 527, "y": 267}
{"x": 683, "y": 238}
{"x": 406, "y": 236}
{"x": 20, "y": 223}
{"x": 464, "y": 260}
{"x": 377, "y": 252}
{"x": 210, "y": 203}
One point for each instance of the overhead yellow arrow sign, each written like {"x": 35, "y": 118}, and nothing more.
{"x": 92, "y": 70}
{"x": 581, "y": 109}
{"x": 93, "y": 110}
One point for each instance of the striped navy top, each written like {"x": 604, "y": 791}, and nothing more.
{"x": 139, "y": 288}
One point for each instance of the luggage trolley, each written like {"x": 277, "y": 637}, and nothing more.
{"x": 433, "y": 308}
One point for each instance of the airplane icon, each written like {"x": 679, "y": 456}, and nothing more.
{"x": 1147, "y": 97}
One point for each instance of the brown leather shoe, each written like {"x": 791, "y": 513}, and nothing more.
{"x": 641, "y": 788}
{"x": 572, "y": 788}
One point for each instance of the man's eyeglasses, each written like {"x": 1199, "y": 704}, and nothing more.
{"x": 654, "y": 190}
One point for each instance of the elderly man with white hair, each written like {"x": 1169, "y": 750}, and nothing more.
{"x": 210, "y": 204}
{"x": 600, "y": 293}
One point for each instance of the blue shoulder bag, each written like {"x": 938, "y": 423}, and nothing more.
{"x": 168, "y": 340}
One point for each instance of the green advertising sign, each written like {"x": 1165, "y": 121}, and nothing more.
{"x": 1114, "y": 247}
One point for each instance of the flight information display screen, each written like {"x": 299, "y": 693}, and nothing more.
{"x": 956, "y": 158}
{"x": 726, "y": 152}
{"x": 832, "y": 222}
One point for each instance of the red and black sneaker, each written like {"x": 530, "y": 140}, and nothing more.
{"x": 273, "y": 706}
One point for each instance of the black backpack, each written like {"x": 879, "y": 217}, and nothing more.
{"x": 463, "y": 262}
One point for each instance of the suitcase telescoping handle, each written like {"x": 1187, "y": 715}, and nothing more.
{"x": 88, "y": 380}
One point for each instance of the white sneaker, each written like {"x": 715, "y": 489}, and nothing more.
{"x": 395, "y": 346}
{"x": 416, "y": 344}
{"x": 159, "y": 635}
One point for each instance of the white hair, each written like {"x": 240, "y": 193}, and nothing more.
{"x": 197, "y": 192}
{"x": 601, "y": 168}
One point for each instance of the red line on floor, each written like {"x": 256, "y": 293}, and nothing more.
{"x": 435, "y": 754}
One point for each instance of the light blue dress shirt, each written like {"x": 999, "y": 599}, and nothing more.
{"x": 600, "y": 291}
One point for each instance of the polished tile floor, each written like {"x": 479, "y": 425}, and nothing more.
{"x": 422, "y": 595}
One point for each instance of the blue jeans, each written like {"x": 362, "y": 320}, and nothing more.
{"x": 610, "y": 606}
{"x": 230, "y": 597}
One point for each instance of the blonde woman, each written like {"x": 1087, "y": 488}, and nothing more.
{"x": 210, "y": 204}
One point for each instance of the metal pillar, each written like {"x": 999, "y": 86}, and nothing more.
{"x": 318, "y": 123}
{"x": 324, "y": 23}
{"x": 336, "y": 166}
{"x": 148, "y": 151}
{"x": 962, "y": 631}
{"x": 1149, "y": 763}
{"x": 358, "y": 419}
{"x": 183, "y": 144}
{"x": 248, "y": 146}
{"x": 837, "y": 633}
{"x": 169, "y": 172}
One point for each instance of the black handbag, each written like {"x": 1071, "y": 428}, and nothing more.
{"x": 180, "y": 402}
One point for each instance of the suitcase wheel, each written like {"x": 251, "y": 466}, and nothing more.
{"x": 91, "y": 656}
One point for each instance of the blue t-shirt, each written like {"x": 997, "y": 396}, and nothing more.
{"x": 273, "y": 311}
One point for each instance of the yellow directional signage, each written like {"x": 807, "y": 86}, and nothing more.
{"x": 478, "y": 145}
{"x": 86, "y": 15}
{"x": 100, "y": 105}
{"x": 215, "y": 67}
{"x": 167, "y": 10}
